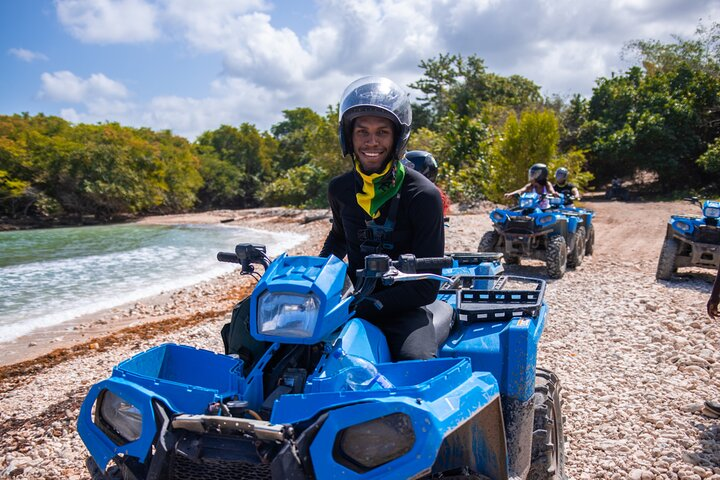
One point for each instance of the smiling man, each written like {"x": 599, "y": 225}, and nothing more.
{"x": 382, "y": 207}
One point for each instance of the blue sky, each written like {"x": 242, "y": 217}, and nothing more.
{"x": 192, "y": 65}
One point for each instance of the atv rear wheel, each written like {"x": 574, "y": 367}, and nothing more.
{"x": 556, "y": 256}
{"x": 666, "y": 263}
{"x": 488, "y": 242}
{"x": 590, "y": 241}
{"x": 575, "y": 258}
{"x": 512, "y": 259}
{"x": 548, "y": 440}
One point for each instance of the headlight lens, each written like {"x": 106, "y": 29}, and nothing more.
{"x": 368, "y": 445}
{"x": 287, "y": 314}
{"x": 122, "y": 416}
{"x": 497, "y": 217}
{"x": 683, "y": 226}
{"x": 546, "y": 219}
{"x": 712, "y": 212}
{"x": 526, "y": 202}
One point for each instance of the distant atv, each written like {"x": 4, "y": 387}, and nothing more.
{"x": 691, "y": 241}
{"x": 565, "y": 204}
{"x": 556, "y": 236}
{"x": 616, "y": 190}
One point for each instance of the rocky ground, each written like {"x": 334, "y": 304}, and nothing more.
{"x": 636, "y": 357}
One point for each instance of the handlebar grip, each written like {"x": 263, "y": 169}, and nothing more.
{"x": 228, "y": 257}
{"x": 434, "y": 263}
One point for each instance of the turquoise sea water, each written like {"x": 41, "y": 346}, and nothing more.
{"x": 53, "y": 275}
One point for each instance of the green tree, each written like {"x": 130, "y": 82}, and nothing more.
{"x": 463, "y": 85}
{"x": 531, "y": 139}
{"x": 247, "y": 149}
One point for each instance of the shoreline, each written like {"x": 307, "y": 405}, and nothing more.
{"x": 176, "y": 307}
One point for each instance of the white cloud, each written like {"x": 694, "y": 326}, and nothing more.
{"x": 65, "y": 86}
{"x": 102, "y": 99}
{"x": 562, "y": 45}
{"x": 109, "y": 21}
{"x": 27, "y": 55}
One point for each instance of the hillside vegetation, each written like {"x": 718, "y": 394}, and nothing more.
{"x": 661, "y": 116}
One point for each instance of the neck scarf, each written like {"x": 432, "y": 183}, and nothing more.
{"x": 377, "y": 188}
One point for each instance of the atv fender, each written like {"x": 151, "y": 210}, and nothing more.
{"x": 98, "y": 443}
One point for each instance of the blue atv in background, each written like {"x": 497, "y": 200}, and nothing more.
{"x": 565, "y": 204}
{"x": 691, "y": 241}
{"x": 480, "y": 410}
{"x": 554, "y": 235}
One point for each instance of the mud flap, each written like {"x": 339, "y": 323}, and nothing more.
{"x": 519, "y": 421}
{"x": 478, "y": 444}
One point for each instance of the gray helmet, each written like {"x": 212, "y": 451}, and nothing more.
{"x": 538, "y": 172}
{"x": 423, "y": 162}
{"x": 561, "y": 175}
{"x": 377, "y": 96}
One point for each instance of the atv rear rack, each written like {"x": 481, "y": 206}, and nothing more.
{"x": 473, "y": 258}
{"x": 498, "y": 304}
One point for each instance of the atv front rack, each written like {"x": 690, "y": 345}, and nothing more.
{"x": 502, "y": 303}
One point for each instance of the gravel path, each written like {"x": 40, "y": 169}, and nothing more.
{"x": 636, "y": 359}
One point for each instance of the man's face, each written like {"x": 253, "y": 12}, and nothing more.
{"x": 372, "y": 139}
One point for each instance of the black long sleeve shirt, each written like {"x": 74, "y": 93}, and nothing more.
{"x": 419, "y": 230}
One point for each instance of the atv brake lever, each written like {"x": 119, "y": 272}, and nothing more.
{"x": 394, "y": 275}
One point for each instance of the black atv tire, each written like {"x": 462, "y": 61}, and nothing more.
{"x": 556, "y": 256}
{"x": 113, "y": 473}
{"x": 548, "y": 439}
{"x": 666, "y": 263}
{"x": 575, "y": 258}
{"x": 512, "y": 259}
{"x": 590, "y": 241}
{"x": 457, "y": 474}
{"x": 489, "y": 242}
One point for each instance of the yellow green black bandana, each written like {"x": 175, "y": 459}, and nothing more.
{"x": 378, "y": 188}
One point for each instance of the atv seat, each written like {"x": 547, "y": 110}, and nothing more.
{"x": 442, "y": 319}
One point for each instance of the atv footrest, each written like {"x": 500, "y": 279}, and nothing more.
{"x": 500, "y": 304}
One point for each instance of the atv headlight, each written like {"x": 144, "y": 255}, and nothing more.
{"x": 287, "y": 314}
{"x": 546, "y": 220}
{"x": 683, "y": 226}
{"x": 526, "y": 202}
{"x": 370, "y": 444}
{"x": 711, "y": 212}
{"x": 498, "y": 217}
{"x": 123, "y": 418}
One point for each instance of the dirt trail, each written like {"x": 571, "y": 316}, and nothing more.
{"x": 632, "y": 231}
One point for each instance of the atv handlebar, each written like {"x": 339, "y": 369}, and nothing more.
{"x": 228, "y": 257}
{"x": 246, "y": 254}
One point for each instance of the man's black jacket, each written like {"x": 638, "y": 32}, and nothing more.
{"x": 419, "y": 230}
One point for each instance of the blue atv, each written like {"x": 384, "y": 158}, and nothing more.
{"x": 480, "y": 410}
{"x": 555, "y": 235}
{"x": 565, "y": 204}
{"x": 691, "y": 241}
